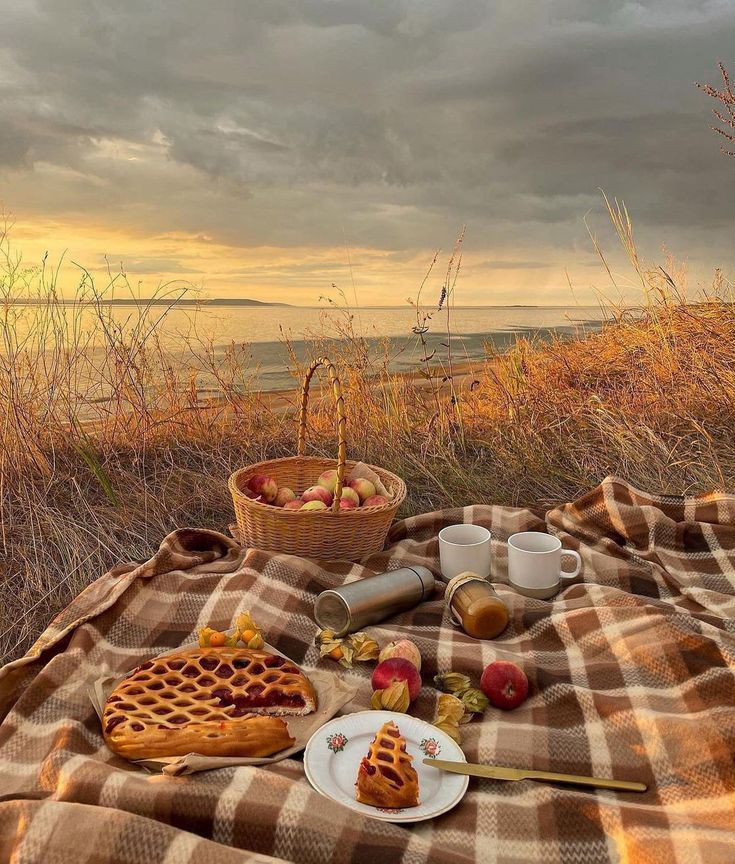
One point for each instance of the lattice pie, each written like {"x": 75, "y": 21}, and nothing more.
{"x": 386, "y": 777}
{"x": 212, "y": 701}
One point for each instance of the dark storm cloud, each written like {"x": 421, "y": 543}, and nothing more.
{"x": 393, "y": 123}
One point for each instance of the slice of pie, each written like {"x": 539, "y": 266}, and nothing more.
{"x": 386, "y": 777}
{"x": 212, "y": 701}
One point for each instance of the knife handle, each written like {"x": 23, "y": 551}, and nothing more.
{"x": 596, "y": 782}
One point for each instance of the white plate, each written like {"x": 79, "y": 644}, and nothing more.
{"x": 334, "y": 752}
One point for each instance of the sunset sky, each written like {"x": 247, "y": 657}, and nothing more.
{"x": 256, "y": 149}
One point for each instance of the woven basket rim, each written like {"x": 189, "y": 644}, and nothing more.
{"x": 257, "y": 468}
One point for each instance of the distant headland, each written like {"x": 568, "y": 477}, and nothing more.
{"x": 152, "y": 301}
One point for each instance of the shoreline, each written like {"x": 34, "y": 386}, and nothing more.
{"x": 282, "y": 402}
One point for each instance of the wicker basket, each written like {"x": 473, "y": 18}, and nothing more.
{"x": 326, "y": 534}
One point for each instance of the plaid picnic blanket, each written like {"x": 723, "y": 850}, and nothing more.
{"x": 632, "y": 674}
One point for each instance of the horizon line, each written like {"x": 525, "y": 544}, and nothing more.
{"x": 222, "y": 301}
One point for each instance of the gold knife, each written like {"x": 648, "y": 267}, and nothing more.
{"x": 494, "y": 772}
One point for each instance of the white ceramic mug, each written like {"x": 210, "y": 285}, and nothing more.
{"x": 464, "y": 547}
{"x": 534, "y": 563}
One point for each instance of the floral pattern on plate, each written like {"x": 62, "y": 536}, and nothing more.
{"x": 430, "y": 747}
{"x": 336, "y": 742}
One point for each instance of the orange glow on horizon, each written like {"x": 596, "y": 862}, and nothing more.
{"x": 297, "y": 274}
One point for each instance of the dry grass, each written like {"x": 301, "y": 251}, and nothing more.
{"x": 651, "y": 397}
{"x": 724, "y": 115}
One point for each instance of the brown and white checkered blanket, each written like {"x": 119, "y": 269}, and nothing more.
{"x": 632, "y": 674}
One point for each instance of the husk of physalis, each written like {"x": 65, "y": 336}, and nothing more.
{"x": 348, "y": 655}
{"x": 248, "y": 632}
{"x": 244, "y": 621}
{"x": 255, "y": 642}
{"x": 450, "y": 712}
{"x": 355, "y": 647}
{"x": 449, "y": 708}
{"x": 452, "y": 682}
{"x": 337, "y": 649}
{"x": 365, "y": 647}
{"x": 205, "y": 634}
{"x": 376, "y": 700}
{"x": 474, "y": 700}
{"x": 395, "y": 697}
{"x": 451, "y": 729}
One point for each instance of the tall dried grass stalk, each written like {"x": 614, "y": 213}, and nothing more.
{"x": 726, "y": 114}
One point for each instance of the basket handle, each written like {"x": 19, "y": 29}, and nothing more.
{"x": 341, "y": 421}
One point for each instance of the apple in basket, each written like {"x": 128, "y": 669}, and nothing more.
{"x": 363, "y": 487}
{"x": 375, "y": 501}
{"x": 284, "y": 496}
{"x": 296, "y": 504}
{"x": 317, "y": 493}
{"x": 314, "y": 505}
{"x": 350, "y": 496}
{"x": 262, "y": 487}
{"x": 328, "y": 479}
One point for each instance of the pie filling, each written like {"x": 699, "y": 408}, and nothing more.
{"x": 255, "y": 697}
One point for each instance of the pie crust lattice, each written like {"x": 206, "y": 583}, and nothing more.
{"x": 386, "y": 777}
{"x": 212, "y": 701}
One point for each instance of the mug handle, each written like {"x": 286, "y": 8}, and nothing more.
{"x": 577, "y": 569}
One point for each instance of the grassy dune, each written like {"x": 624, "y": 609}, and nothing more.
{"x": 86, "y": 483}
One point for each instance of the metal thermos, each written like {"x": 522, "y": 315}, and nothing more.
{"x": 375, "y": 598}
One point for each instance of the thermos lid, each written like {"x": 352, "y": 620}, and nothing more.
{"x": 331, "y": 612}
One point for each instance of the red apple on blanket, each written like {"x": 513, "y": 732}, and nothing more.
{"x": 504, "y": 684}
{"x": 283, "y": 496}
{"x": 317, "y": 493}
{"x": 363, "y": 487}
{"x": 296, "y": 504}
{"x": 263, "y": 487}
{"x": 397, "y": 669}
{"x": 375, "y": 501}
{"x": 328, "y": 479}
{"x": 314, "y": 505}
{"x": 404, "y": 648}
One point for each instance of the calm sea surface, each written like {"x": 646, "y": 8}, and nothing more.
{"x": 474, "y": 329}
{"x": 264, "y": 330}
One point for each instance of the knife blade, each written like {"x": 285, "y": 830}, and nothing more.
{"x": 497, "y": 772}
